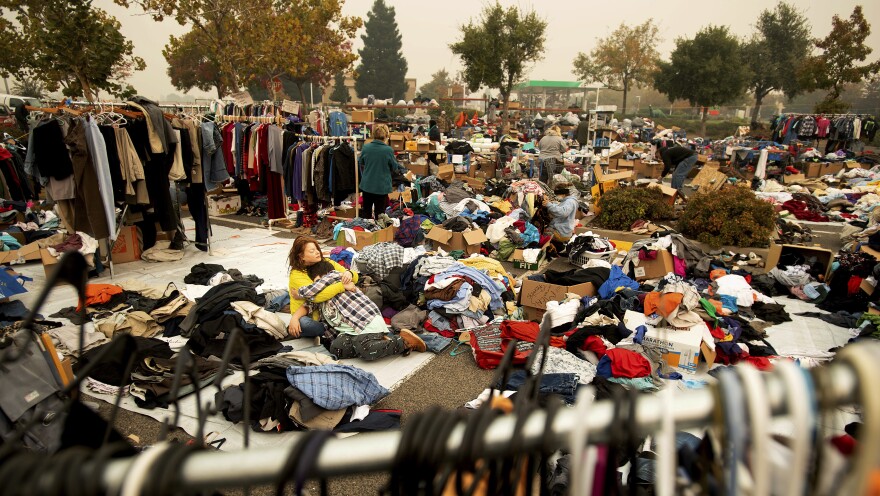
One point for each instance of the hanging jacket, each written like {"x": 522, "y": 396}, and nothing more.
{"x": 343, "y": 168}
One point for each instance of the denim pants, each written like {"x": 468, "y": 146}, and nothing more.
{"x": 682, "y": 170}
{"x": 565, "y": 385}
{"x": 369, "y": 346}
{"x": 310, "y": 328}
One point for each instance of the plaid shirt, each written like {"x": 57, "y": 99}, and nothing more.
{"x": 355, "y": 308}
{"x": 377, "y": 260}
{"x": 335, "y": 387}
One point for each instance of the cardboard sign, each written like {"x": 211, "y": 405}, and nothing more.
{"x": 242, "y": 98}
{"x": 290, "y": 107}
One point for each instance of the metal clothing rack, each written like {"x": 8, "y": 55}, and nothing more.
{"x": 315, "y": 139}
{"x": 375, "y": 452}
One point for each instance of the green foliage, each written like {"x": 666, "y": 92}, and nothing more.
{"x": 192, "y": 63}
{"x": 66, "y": 44}
{"x": 438, "y": 86}
{"x": 733, "y": 216}
{"x": 31, "y": 87}
{"x": 621, "y": 207}
{"x": 340, "y": 92}
{"x": 382, "y": 71}
{"x": 496, "y": 48}
{"x": 627, "y": 57}
{"x": 706, "y": 71}
{"x": 781, "y": 42}
{"x": 842, "y": 50}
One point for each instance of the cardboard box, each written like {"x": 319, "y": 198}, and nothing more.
{"x": 362, "y": 116}
{"x": 223, "y": 205}
{"x": 668, "y": 191}
{"x": 601, "y": 177}
{"x": 819, "y": 169}
{"x": 365, "y": 239}
{"x": 477, "y": 184}
{"x": 425, "y": 147}
{"x": 446, "y": 172}
{"x": 344, "y": 213}
{"x": 397, "y": 142}
{"x": 654, "y": 269}
{"x": 48, "y": 260}
{"x": 619, "y": 163}
{"x": 419, "y": 169}
{"x": 534, "y": 295}
{"x": 702, "y": 159}
{"x": 649, "y": 170}
{"x": 681, "y": 349}
{"x": 406, "y": 194}
{"x": 868, "y": 285}
{"x": 469, "y": 241}
{"x": 128, "y": 245}
{"x": 793, "y": 178}
{"x": 519, "y": 261}
{"x": 26, "y": 253}
{"x": 822, "y": 255}
{"x": 411, "y": 146}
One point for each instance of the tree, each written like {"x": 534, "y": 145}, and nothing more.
{"x": 27, "y": 86}
{"x": 192, "y": 64}
{"x": 496, "y": 48}
{"x": 625, "y": 58}
{"x": 837, "y": 65}
{"x": 217, "y": 23}
{"x": 780, "y": 43}
{"x": 382, "y": 71}
{"x": 68, "y": 44}
{"x": 438, "y": 86}
{"x": 705, "y": 71}
{"x": 340, "y": 91}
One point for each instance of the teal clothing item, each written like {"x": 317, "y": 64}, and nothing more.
{"x": 377, "y": 164}
{"x": 563, "y": 213}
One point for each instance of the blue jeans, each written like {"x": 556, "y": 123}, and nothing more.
{"x": 564, "y": 385}
{"x": 310, "y": 328}
{"x": 682, "y": 170}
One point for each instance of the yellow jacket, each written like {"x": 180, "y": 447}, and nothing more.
{"x": 299, "y": 278}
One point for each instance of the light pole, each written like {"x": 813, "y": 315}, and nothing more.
{"x": 638, "y": 103}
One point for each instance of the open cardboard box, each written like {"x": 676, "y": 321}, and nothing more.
{"x": 534, "y": 295}
{"x": 468, "y": 241}
{"x": 668, "y": 191}
{"x": 601, "y": 177}
{"x": 406, "y": 194}
{"x": 26, "y": 253}
{"x": 870, "y": 251}
{"x": 681, "y": 349}
{"x": 823, "y": 256}
{"x": 654, "y": 269}
{"x": 365, "y": 239}
{"x": 519, "y": 262}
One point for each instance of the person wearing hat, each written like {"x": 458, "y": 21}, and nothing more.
{"x": 563, "y": 214}
{"x": 678, "y": 159}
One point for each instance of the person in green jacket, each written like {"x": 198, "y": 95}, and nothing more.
{"x": 377, "y": 165}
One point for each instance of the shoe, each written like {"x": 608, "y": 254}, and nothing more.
{"x": 754, "y": 259}
{"x": 413, "y": 341}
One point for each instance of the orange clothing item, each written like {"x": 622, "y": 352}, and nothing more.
{"x": 662, "y": 303}
{"x": 97, "y": 294}
{"x": 715, "y": 274}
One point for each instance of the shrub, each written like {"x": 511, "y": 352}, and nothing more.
{"x": 732, "y": 216}
{"x": 621, "y": 207}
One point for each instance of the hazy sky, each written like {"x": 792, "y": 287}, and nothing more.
{"x": 428, "y": 27}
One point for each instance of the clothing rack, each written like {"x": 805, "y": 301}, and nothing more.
{"x": 375, "y": 452}
{"x": 315, "y": 138}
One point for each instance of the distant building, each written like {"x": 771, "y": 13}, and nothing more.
{"x": 349, "y": 83}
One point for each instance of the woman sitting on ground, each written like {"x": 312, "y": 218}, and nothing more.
{"x": 362, "y": 330}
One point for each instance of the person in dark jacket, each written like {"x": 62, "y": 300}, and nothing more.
{"x": 678, "y": 159}
{"x": 433, "y": 131}
{"x": 377, "y": 164}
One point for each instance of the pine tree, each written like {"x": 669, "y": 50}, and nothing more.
{"x": 382, "y": 71}
{"x": 340, "y": 92}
